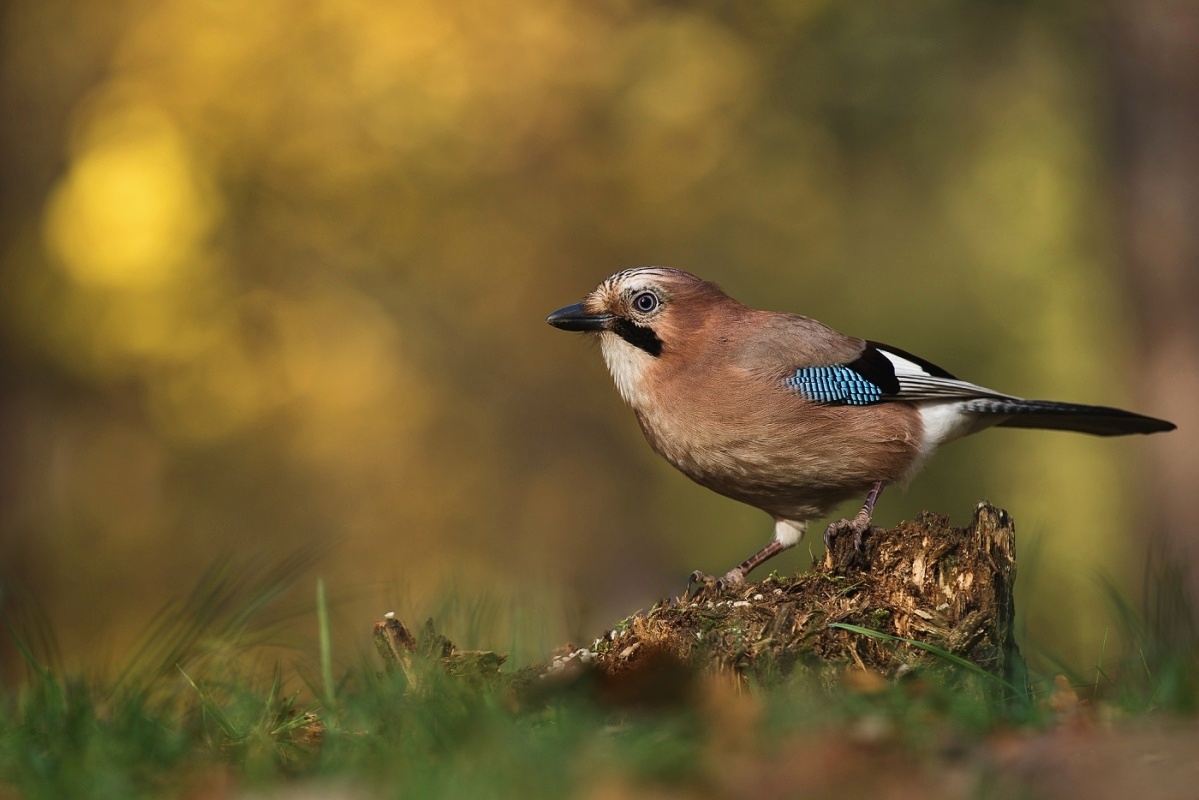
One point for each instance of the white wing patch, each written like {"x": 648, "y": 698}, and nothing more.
{"x": 942, "y": 404}
{"x": 902, "y": 365}
{"x": 916, "y": 383}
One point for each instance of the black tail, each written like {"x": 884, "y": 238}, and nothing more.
{"x": 1098, "y": 420}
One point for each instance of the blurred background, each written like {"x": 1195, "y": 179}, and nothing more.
{"x": 275, "y": 278}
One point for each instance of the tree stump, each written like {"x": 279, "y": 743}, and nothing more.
{"x": 944, "y": 587}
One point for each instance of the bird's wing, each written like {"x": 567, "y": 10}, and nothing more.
{"x": 881, "y": 374}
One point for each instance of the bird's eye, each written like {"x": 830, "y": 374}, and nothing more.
{"x": 645, "y": 302}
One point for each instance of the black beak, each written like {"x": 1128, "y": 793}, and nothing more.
{"x": 574, "y": 318}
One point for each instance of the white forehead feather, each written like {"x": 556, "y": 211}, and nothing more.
{"x": 638, "y": 278}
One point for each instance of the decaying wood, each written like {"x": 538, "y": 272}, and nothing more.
{"x": 398, "y": 646}
{"x": 924, "y": 580}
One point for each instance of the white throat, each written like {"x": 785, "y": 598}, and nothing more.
{"x": 628, "y": 365}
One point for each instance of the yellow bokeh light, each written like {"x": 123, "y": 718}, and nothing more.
{"x": 212, "y": 396}
{"x": 132, "y": 208}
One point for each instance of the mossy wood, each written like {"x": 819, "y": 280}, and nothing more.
{"x": 947, "y": 587}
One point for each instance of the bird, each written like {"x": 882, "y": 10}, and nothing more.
{"x": 782, "y": 412}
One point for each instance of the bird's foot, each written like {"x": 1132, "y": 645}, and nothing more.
{"x": 859, "y": 526}
{"x": 699, "y": 583}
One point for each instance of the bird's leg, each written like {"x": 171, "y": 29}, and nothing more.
{"x": 861, "y": 521}
{"x": 736, "y": 575}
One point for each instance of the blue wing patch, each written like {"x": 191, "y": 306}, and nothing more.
{"x": 838, "y": 385}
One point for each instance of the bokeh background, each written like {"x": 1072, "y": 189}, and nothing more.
{"x": 275, "y": 277}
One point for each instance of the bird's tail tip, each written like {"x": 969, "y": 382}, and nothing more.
{"x": 1052, "y": 415}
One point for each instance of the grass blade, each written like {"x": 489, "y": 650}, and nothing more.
{"x": 326, "y": 643}
{"x": 937, "y": 651}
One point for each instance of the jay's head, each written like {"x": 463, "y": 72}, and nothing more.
{"x": 651, "y": 309}
{"x": 650, "y": 322}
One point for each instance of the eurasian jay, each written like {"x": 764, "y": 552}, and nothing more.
{"x": 784, "y": 413}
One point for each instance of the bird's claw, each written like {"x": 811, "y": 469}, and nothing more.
{"x": 858, "y": 532}
{"x": 699, "y": 582}
{"x": 858, "y": 527}
{"x": 831, "y": 531}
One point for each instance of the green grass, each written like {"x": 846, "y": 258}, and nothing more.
{"x": 191, "y": 710}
